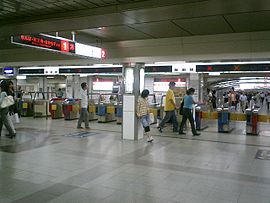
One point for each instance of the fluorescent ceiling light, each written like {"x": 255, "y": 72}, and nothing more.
{"x": 21, "y": 77}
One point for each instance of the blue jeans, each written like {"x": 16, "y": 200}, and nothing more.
{"x": 145, "y": 120}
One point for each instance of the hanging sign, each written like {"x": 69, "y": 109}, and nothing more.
{"x": 58, "y": 44}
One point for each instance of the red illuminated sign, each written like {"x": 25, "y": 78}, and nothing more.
{"x": 103, "y": 54}
{"x": 45, "y": 42}
{"x": 58, "y": 44}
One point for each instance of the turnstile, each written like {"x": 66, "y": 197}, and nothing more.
{"x": 199, "y": 121}
{"x": 106, "y": 113}
{"x": 26, "y": 107}
{"x": 119, "y": 114}
{"x": 224, "y": 123}
{"x": 55, "y": 107}
{"x": 71, "y": 109}
{"x": 252, "y": 125}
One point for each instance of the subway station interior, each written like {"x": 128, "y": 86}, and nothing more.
{"x": 119, "y": 48}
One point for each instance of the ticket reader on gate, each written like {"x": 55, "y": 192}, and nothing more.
{"x": 93, "y": 106}
{"x": 107, "y": 107}
{"x": 199, "y": 121}
{"x": 55, "y": 107}
{"x": 252, "y": 125}
{"x": 41, "y": 103}
{"x": 224, "y": 123}
{"x": 26, "y": 105}
{"x": 71, "y": 109}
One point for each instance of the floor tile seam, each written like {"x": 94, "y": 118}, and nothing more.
{"x": 95, "y": 154}
{"x": 216, "y": 141}
{"x": 207, "y": 172}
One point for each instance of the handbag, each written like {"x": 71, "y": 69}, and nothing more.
{"x": 7, "y": 101}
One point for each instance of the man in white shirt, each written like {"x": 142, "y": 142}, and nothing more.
{"x": 84, "y": 115}
{"x": 243, "y": 101}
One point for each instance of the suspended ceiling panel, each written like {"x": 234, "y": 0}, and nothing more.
{"x": 116, "y": 33}
{"x": 160, "y": 29}
{"x": 247, "y": 22}
{"x": 205, "y": 25}
{"x": 10, "y": 9}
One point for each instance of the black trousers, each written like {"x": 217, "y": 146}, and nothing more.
{"x": 187, "y": 114}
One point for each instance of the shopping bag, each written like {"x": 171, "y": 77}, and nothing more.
{"x": 9, "y": 119}
{"x": 7, "y": 101}
{"x": 151, "y": 118}
{"x": 16, "y": 118}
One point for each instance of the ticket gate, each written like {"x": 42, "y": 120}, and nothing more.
{"x": 26, "y": 107}
{"x": 224, "y": 123}
{"x": 106, "y": 113}
{"x": 200, "y": 123}
{"x": 71, "y": 109}
{"x": 55, "y": 107}
{"x": 92, "y": 112}
{"x": 93, "y": 106}
{"x": 252, "y": 125}
{"x": 119, "y": 114}
{"x": 41, "y": 104}
{"x": 107, "y": 107}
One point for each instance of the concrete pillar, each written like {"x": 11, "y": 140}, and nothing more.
{"x": 133, "y": 85}
{"x": 194, "y": 82}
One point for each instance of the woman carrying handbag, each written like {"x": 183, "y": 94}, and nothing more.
{"x": 4, "y": 120}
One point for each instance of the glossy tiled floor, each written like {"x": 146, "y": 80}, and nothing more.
{"x": 45, "y": 163}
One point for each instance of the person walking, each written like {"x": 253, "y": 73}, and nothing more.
{"x": 84, "y": 115}
{"x": 143, "y": 113}
{"x": 243, "y": 101}
{"x": 169, "y": 108}
{"x": 187, "y": 112}
{"x": 4, "y": 120}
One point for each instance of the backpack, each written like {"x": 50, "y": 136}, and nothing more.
{"x": 181, "y": 107}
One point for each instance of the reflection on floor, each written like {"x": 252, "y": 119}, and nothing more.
{"x": 52, "y": 161}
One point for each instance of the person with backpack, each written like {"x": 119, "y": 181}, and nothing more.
{"x": 187, "y": 112}
{"x": 169, "y": 108}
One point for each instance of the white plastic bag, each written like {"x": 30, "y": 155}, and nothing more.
{"x": 16, "y": 118}
{"x": 151, "y": 118}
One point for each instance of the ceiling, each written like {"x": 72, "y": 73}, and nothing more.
{"x": 103, "y": 21}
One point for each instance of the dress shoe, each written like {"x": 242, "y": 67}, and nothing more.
{"x": 196, "y": 134}
{"x": 11, "y": 136}
{"x": 181, "y": 133}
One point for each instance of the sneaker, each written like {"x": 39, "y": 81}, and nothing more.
{"x": 159, "y": 129}
{"x": 196, "y": 134}
{"x": 181, "y": 133}
{"x": 150, "y": 139}
{"x": 79, "y": 127}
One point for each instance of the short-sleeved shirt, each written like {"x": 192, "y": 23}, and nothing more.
{"x": 188, "y": 102}
{"x": 168, "y": 105}
{"x": 84, "y": 99}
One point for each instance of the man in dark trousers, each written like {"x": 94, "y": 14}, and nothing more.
{"x": 169, "y": 108}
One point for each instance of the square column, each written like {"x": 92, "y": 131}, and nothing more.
{"x": 133, "y": 85}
